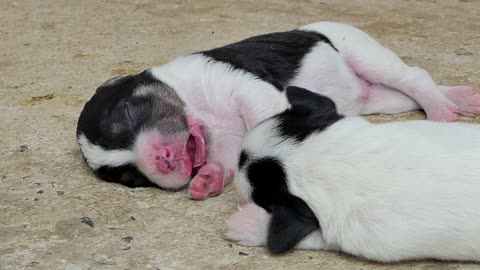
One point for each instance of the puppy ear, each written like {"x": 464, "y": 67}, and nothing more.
{"x": 301, "y": 97}
{"x": 290, "y": 223}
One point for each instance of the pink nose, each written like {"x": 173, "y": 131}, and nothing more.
{"x": 164, "y": 160}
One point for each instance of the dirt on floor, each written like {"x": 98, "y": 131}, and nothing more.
{"x": 54, "y": 214}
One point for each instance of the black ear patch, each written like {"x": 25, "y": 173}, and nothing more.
{"x": 292, "y": 219}
{"x": 298, "y": 96}
{"x": 310, "y": 113}
{"x": 290, "y": 223}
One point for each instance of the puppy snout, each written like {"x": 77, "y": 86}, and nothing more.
{"x": 164, "y": 160}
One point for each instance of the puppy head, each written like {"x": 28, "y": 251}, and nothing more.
{"x": 263, "y": 172}
{"x": 279, "y": 135}
{"x": 135, "y": 131}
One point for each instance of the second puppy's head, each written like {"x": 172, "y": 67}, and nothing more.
{"x": 263, "y": 171}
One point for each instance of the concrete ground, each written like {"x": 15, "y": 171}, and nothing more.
{"x": 54, "y": 214}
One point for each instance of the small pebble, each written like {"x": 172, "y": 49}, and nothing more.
{"x": 127, "y": 239}
{"x": 127, "y": 248}
{"x": 87, "y": 221}
{"x": 132, "y": 218}
{"x": 40, "y": 191}
{"x": 242, "y": 253}
{"x": 60, "y": 192}
{"x": 23, "y": 148}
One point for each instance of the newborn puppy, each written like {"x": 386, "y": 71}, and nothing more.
{"x": 315, "y": 179}
{"x": 187, "y": 118}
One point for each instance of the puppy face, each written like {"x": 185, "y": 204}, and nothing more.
{"x": 264, "y": 174}
{"x": 134, "y": 131}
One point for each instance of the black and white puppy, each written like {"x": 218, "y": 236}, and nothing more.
{"x": 187, "y": 118}
{"x": 315, "y": 179}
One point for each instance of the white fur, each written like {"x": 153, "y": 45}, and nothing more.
{"x": 386, "y": 192}
{"x": 98, "y": 157}
{"x": 228, "y": 101}
{"x": 231, "y": 101}
{"x": 326, "y": 72}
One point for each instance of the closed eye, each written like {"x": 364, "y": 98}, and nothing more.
{"x": 128, "y": 112}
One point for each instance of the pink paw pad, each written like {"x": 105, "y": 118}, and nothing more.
{"x": 208, "y": 182}
{"x": 248, "y": 226}
{"x": 445, "y": 112}
{"x": 466, "y": 98}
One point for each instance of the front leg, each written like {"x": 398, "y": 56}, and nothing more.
{"x": 254, "y": 101}
{"x": 219, "y": 171}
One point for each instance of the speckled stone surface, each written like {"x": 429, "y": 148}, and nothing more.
{"x": 55, "y": 215}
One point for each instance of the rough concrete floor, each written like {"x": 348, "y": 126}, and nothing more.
{"x": 54, "y": 54}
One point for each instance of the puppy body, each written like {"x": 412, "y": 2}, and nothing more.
{"x": 386, "y": 192}
{"x": 183, "y": 122}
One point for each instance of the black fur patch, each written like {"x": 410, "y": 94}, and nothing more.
{"x": 273, "y": 57}
{"x": 268, "y": 179}
{"x": 310, "y": 113}
{"x": 109, "y": 105}
{"x": 292, "y": 219}
{"x": 291, "y": 223}
{"x": 242, "y": 159}
{"x": 127, "y": 175}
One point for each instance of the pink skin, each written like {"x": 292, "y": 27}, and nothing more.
{"x": 465, "y": 97}
{"x": 212, "y": 176}
{"x": 415, "y": 83}
{"x": 366, "y": 85}
{"x": 170, "y": 160}
{"x": 197, "y": 130}
{"x": 165, "y": 160}
{"x": 210, "y": 181}
{"x": 248, "y": 226}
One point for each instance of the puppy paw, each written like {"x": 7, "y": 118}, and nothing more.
{"x": 442, "y": 112}
{"x": 208, "y": 182}
{"x": 248, "y": 226}
{"x": 465, "y": 97}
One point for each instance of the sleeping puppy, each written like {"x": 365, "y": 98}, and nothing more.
{"x": 187, "y": 118}
{"x": 316, "y": 179}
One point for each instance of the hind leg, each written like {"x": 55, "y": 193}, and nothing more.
{"x": 378, "y": 65}
{"x": 465, "y": 97}
{"x": 382, "y": 99}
